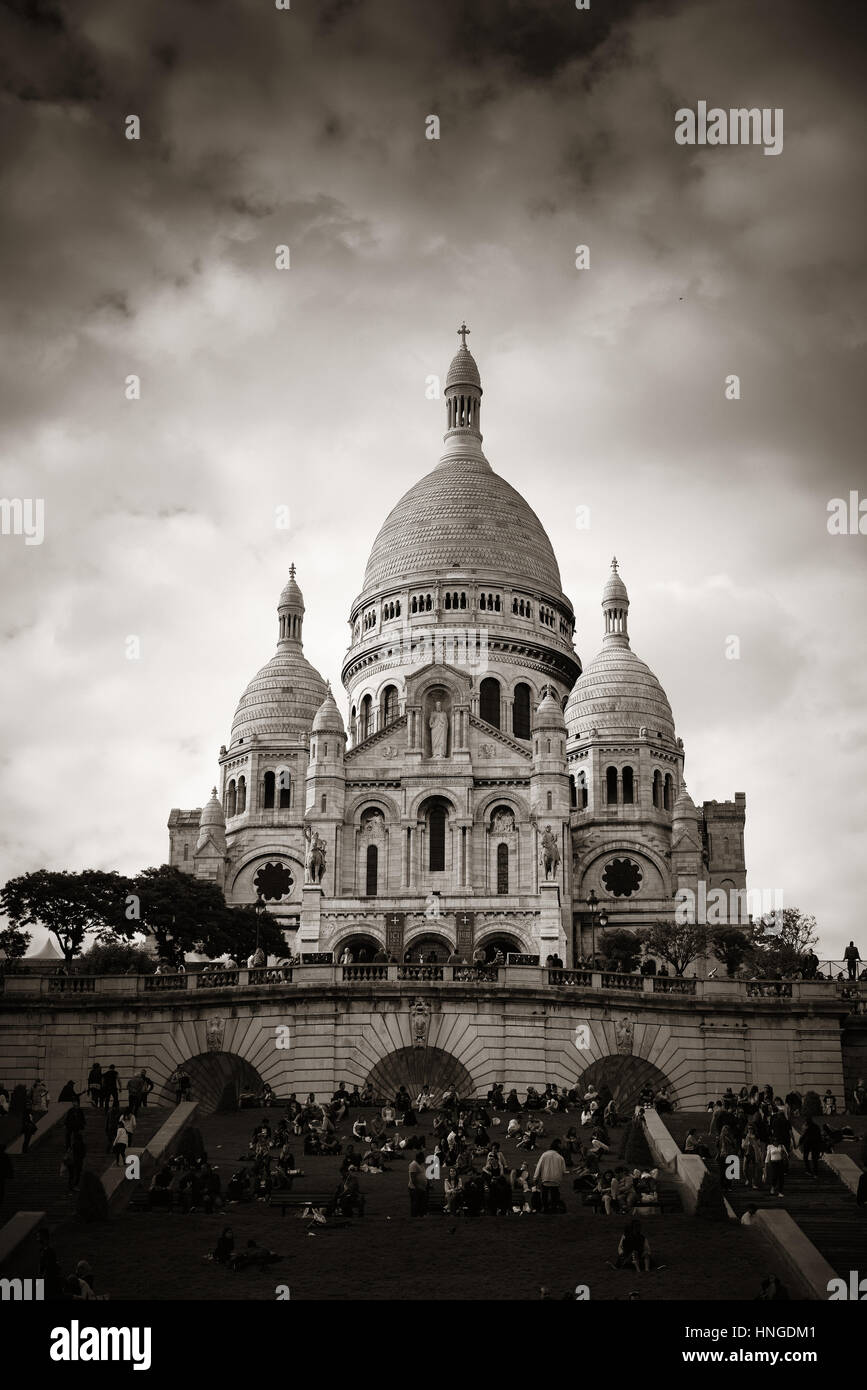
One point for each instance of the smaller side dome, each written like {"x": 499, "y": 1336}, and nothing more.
{"x": 328, "y": 719}
{"x": 684, "y": 806}
{"x": 212, "y": 812}
{"x": 549, "y": 713}
{"x": 212, "y": 825}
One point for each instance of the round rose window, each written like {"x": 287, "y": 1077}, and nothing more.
{"x": 622, "y": 878}
{"x": 273, "y": 882}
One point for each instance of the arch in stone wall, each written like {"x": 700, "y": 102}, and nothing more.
{"x": 625, "y": 1077}
{"x": 414, "y": 1067}
{"x": 218, "y": 1079}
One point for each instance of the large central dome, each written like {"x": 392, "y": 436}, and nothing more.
{"x": 463, "y": 517}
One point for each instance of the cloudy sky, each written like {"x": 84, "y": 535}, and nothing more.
{"x": 261, "y": 388}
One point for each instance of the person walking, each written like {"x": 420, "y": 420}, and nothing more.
{"x": 851, "y": 957}
{"x": 810, "y": 1144}
{"x": 776, "y": 1156}
{"x": 121, "y": 1139}
{"x": 109, "y": 1087}
{"x": 418, "y": 1187}
{"x": 144, "y": 1089}
{"x": 550, "y": 1171}
{"x": 112, "y": 1119}
{"x": 28, "y": 1129}
{"x": 94, "y": 1085}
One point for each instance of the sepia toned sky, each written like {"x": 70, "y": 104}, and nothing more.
{"x": 305, "y": 388}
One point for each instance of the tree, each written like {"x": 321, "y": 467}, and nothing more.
{"x": 14, "y": 942}
{"x": 115, "y": 958}
{"x": 779, "y": 942}
{"x": 730, "y": 945}
{"x": 184, "y": 914}
{"x": 620, "y": 950}
{"x": 677, "y": 943}
{"x": 69, "y": 905}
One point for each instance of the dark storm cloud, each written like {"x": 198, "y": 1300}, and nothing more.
{"x": 306, "y": 389}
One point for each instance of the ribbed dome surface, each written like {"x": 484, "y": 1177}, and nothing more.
{"x": 461, "y": 517}
{"x": 282, "y": 698}
{"x": 618, "y": 694}
{"x": 463, "y": 370}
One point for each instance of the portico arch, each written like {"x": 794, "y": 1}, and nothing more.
{"x": 417, "y": 1067}
{"x": 217, "y": 1080}
{"x": 625, "y": 1077}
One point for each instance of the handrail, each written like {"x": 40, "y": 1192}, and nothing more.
{"x": 323, "y": 971}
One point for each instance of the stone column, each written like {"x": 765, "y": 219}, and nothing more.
{"x": 311, "y": 917}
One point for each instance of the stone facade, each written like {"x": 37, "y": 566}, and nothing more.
{"x": 332, "y": 1024}
{"x": 474, "y": 742}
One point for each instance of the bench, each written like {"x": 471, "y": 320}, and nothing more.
{"x": 316, "y": 1200}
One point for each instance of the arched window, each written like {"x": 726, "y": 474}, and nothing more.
{"x": 668, "y": 798}
{"x": 573, "y": 794}
{"x": 242, "y": 795}
{"x": 521, "y": 711}
{"x": 581, "y": 791}
{"x": 372, "y": 870}
{"x": 268, "y": 792}
{"x": 389, "y": 705}
{"x": 284, "y": 787}
{"x": 549, "y": 804}
{"x": 436, "y": 826}
{"x": 628, "y": 786}
{"x": 657, "y": 789}
{"x": 611, "y": 786}
{"x": 230, "y": 799}
{"x": 448, "y": 602}
{"x": 366, "y": 717}
{"x": 489, "y": 701}
{"x": 502, "y": 868}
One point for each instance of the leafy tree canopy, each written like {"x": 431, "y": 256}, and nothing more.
{"x": 677, "y": 944}
{"x": 69, "y": 905}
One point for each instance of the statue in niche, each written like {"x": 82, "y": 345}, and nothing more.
{"x": 624, "y": 1030}
{"x": 419, "y": 1020}
{"x": 439, "y": 732}
{"x": 314, "y": 863}
{"x": 550, "y": 853}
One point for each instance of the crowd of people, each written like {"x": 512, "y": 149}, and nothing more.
{"x": 751, "y": 1136}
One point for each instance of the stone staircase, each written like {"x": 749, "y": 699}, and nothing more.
{"x": 825, "y": 1210}
{"x": 38, "y": 1184}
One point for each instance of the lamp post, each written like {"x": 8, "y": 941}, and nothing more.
{"x": 595, "y": 914}
{"x": 594, "y": 904}
{"x": 260, "y": 908}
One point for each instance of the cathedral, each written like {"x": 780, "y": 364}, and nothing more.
{"x": 488, "y": 793}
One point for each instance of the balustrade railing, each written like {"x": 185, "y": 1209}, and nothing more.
{"x": 319, "y": 969}
{"x": 615, "y": 980}
{"x": 769, "y": 989}
{"x": 216, "y": 979}
{"x": 365, "y": 972}
{"x": 419, "y": 972}
{"x": 475, "y": 972}
{"x": 672, "y": 984}
{"x": 570, "y": 977}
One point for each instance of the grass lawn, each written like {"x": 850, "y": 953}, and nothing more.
{"x": 387, "y": 1255}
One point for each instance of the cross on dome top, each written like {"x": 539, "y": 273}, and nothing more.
{"x": 462, "y": 334}
{"x": 614, "y": 565}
